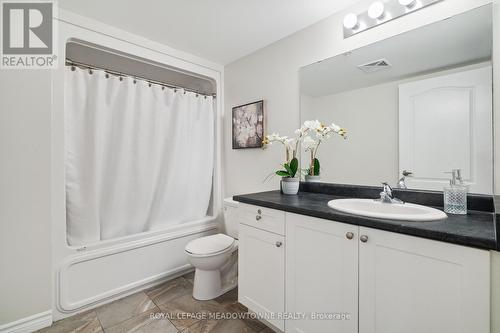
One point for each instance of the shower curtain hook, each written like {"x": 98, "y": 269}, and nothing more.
{"x": 73, "y": 68}
{"x": 90, "y": 71}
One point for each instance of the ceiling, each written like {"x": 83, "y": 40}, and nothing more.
{"x": 464, "y": 39}
{"x": 218, "y": 30}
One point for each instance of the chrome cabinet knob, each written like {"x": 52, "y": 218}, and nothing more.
{"x": 363, "y": 238}
{"x": 258, "y": 217}
{"x": 349, "y": 235}
{"x": 278, "y": 244}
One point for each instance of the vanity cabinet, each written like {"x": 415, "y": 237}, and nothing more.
{"x": 346, "y": 278}
{"x": 261, "y": 263}
{"x": 413, "y": 285}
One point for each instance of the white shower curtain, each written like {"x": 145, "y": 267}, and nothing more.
{"x": 138, "y": 158}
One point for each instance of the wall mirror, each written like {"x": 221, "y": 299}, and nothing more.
{"x": 418, "y": 102}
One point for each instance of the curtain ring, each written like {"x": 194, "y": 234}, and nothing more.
{"x": 107, "y": 76}
{"x": 162, "y": 87}
{"x": 205, "y": 96}
{"x": 90, "y": 71}
{"x": 197, "y": 95}
{"x": 121, "y": 78}
{"x": 135, "y": 81}
{"x": 175, "y": 90}
{"x": 184, "y": 92}
{"x": 73, "y": 68}
{"x": 149, "y": 84}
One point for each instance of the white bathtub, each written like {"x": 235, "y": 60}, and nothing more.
{"x": 99, "y": 273}
{"x": 86, "y": 277}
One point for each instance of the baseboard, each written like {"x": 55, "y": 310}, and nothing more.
{"x": 28, "y": 324}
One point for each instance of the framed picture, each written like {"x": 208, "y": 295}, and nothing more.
{"x": 248, "y": 125}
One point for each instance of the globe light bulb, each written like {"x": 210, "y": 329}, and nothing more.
{"x": 376, "y": 10}
{"x": 350, "y": 21}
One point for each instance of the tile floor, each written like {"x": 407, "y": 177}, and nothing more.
{"x": 162, "y": 309}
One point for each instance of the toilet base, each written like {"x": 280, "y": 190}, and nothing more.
{"x": 209, "y": 284}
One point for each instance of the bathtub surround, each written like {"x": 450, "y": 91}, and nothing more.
{"x": 94, "y": 274}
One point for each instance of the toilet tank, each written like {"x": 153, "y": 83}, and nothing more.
{"x": 231, "y": 217}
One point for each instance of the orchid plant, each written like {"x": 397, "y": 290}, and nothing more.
{"x": 303, "y": 134}
{"x": 322, "y": 133}
{"x": 291, "y": 145}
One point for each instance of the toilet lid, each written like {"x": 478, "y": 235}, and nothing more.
{"x": 209, "y": 244}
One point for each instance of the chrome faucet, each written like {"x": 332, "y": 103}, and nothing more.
{"x": 386, "y": 196}
{"x": 402, "y": 180}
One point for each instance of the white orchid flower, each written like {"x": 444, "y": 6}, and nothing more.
{"x": 312, "y": 125}
{"x": 309, "y": 143}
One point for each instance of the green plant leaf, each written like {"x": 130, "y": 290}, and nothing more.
{"x": 294, "y": 166}
{"x": 282, "y": 173}
{"x": 288, "y": 168}
{"x": 316, "y": 167}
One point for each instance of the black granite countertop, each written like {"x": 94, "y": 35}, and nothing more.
{"x": 476, "y": 229}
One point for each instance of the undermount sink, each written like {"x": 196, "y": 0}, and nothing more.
{"x": 392, "y": 211}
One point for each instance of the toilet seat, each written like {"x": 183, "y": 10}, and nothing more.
{"x": 209, "y": 245}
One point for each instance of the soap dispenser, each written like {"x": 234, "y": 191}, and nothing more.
{"x": 455, "y": 196}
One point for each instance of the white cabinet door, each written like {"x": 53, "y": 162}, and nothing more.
{"x": 445, "y": 124}
{"x": 261, "y": 273}
{"x": 414, "y": 285}
{"x": 321, "y": 275}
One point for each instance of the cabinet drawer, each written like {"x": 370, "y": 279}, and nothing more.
{"x": 263, "y": 218}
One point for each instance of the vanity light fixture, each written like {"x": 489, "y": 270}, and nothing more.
{"x": 351, "y": 21}
{"x": 380, "y": 12}
{"x": 376, "y": 10}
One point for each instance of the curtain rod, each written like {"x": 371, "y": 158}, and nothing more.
{"x": 72, "y": 63}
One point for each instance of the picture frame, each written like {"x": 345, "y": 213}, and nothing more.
{"x": 248, "y": 125}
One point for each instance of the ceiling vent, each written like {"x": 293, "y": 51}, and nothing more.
{"x": 375, "y": 66}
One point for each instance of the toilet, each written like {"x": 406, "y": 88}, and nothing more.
{"x": 215, "y": 257}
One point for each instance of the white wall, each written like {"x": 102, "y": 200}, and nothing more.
{"x": 25, "y": 257}
{"x": 272, "y": 74}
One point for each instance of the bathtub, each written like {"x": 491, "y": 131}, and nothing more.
{"x": 85, "y": 277}
{"x": 95, "y": 274}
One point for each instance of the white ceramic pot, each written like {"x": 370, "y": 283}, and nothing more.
{"x": 290, "y": 186}
{"x": 313, "y": 179}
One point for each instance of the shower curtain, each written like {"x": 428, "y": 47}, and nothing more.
{"x": 138, "y": 157}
